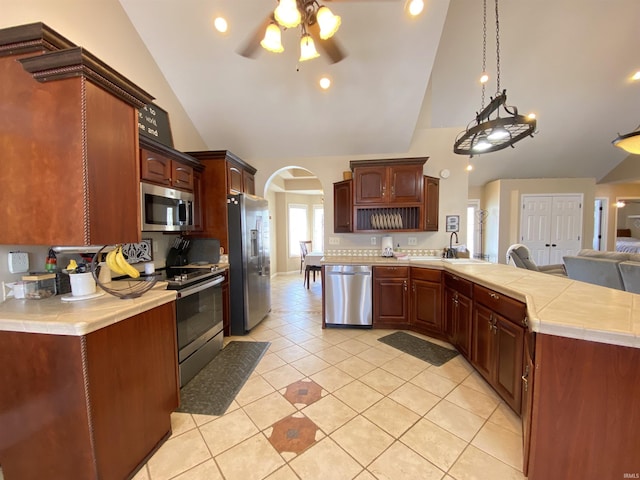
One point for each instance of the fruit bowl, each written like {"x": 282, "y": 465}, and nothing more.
{"x": 128, "y": 288}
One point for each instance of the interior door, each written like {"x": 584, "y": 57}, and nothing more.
{"x": 551, "y": 226}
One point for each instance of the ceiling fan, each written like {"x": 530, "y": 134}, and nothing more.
{"x": 317, "y": 23}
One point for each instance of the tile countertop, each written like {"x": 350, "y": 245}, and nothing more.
{"x": 53, "y": 316}
{"x": 555, "y": 305}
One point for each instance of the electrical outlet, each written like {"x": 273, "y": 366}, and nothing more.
{"x": 412, "y": 241}
{"x": 373, "y": 240}
{"x": 334, "y": 240}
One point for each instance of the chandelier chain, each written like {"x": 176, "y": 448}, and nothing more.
{"x": 484, "y": 48}
{"x": 497, "y": 50}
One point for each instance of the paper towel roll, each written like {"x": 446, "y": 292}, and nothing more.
{"x": 387, "y": 246}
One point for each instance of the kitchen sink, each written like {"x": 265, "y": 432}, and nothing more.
{"x": 421, "y": 259}
{"x": 465, "y": 261}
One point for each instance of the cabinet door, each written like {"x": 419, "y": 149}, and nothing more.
{"x": 481, "y": 342}
{"x": 181, "y": 176}
{"x": 450, "y": 312}
{"x": 234, "y": 178}
{"x": 155, "y": 168}
{"x": 509, "y": 339}
{"x": 248, "y": 183}
{"x": 371, "y": 185}
{"x": 462, "y": 325}
{"x": 342, "y": 211}
{"x": 198, "y": 214}
{"x": 527, "y": 398}
{"x": 431, "y": 203}
{"x": 390, "y": 305}
{"x": 405, "y": 183}
{"x": 426, "y": 308}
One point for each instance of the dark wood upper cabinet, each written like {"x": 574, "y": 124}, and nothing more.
{"x": 431, "y": 203}
{"x": 69, "y": 142}
{"x": 387, "y": 195}
{"x": 162, "y": 165}
{"x": 224, "y": 173}
{"x": 384, "y": 184}
{"x": 342, "y": 211}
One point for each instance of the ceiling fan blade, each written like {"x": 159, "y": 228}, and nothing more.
{"x": 251, "y": 47}
{"x": 330, "y": 46}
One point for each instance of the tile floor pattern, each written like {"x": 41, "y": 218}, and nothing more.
{"x": 338, "y": 404}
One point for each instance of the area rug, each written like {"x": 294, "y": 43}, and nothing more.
{"x": 213, "y": 389}
{"x": 419, "y": 348}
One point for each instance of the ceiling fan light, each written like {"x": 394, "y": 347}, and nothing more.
{"x": 328, "y": 22}
{"x": 498, "y": 133}
{"x": 415, "y": 7}
{"x": 307, "y": 48}
{"x": 287, "y": 14}
{"x": 629, "y": 142}
{"x": 272, "y": 40}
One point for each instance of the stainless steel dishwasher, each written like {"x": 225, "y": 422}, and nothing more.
{"x": 348, "y": 295}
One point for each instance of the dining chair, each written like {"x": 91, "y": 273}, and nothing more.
{"x": 305, "y": 247}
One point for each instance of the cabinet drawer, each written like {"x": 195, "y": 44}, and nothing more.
{"x": 507, "y": 307}
{"x": 465, "y": 287}
{"x": 391, "y": 272}
{"x": 426, "y": 274}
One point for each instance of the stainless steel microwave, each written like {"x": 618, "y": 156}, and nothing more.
{"x": 165, "y": 209}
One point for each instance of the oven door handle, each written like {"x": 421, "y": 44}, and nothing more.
{"x": 198, "y": 288}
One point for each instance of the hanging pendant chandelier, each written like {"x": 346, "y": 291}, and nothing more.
{"x": 629, "y": 142}
{"x": 497, "y": 125}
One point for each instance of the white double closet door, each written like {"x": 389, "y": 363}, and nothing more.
{"x": 551, "y": 226}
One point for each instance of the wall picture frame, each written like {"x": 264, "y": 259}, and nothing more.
{"x": 453, "y": 223}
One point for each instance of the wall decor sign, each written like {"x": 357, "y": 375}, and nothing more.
{"x": 153, "y": 122}
{"x": 453, "y": 223}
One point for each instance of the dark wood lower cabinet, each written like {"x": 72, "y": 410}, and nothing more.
{"x": 91, "y": 407}
{"x": 497, "y": 353}
{"x": 426, "y": 301}
{"x": 391, "y": 297}
{"x": 457, "y": 320}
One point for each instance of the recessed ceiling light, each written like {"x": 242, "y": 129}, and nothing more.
{"x": 414, "y": 7}
{"x": 636, "y": 76}
{"x": 469, "y": 167}
{"x": 325, "y": 83}
{"x": 484, "y": 78}
{"x": 220, "y": 24}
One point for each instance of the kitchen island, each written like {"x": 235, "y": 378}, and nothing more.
{"x": 580, "y": 358}
{"x": 88, "y": 386}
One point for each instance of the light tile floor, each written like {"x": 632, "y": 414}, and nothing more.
{"x": 381, "y": 414}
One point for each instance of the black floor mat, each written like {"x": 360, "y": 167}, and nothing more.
{"x": 419, "y": 348}
{"x": 213, "y": 389}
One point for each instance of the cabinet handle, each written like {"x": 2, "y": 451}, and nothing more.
{"x": 495, "y": 296}
{"x": 393, "y": 190}
{"x": 413, "y": 288}
{"x": 384, "y": 189}
{"x": 525, "y": 378}
{"x": 405, "y": 285}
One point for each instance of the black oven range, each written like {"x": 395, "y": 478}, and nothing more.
{"x": 199, "y": 315}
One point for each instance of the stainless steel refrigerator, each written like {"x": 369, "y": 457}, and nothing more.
{"x": 249, "y": 267}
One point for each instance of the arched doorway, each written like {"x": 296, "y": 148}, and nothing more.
{"x": 296, "y": 204}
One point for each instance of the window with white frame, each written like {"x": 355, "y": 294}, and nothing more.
{"x": 318, "y": 228}
{"x": 298, "y": 228}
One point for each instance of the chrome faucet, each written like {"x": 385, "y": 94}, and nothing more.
{"x": 451, "y": 252}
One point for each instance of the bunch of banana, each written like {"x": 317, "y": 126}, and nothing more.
{"x": 116, "y": 262}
